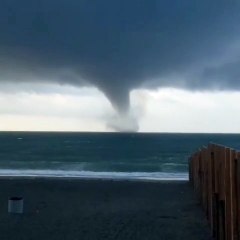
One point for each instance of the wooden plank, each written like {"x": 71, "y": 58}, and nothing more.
{"x": 216, "y": 199}
{"x": 211, "y": 189}
{"x": 193, "y": 172}
{"x": 193, "y": 163}
{"x": 205, "y": 180}
{"x": 197, "y": 174}
{"x": 238, "y": 194}
{"x": 228, "y": 220}
{"x": 219, "y": 193}
{"x": 222, "y": 166}
{"x": 222, "y": 194}
{"x": 200, "y": 175}
{"x": 208, "y": 172}
{"x": 215, "y": 194}
{"x": 233, "y": 182}
{"x": 190, "y": 169}
{"x": 216, "y": 169}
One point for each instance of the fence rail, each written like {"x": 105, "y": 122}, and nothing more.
{"x": 214, "y": 172}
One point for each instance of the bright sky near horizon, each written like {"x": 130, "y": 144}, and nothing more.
{"x": 66, "y": 108}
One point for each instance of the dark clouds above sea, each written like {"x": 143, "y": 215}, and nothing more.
{"x": 120, "y": 45}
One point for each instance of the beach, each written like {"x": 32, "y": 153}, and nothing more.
{"x": 65, "y": 208}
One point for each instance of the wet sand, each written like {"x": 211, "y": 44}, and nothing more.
{"x": 73, "y": 209}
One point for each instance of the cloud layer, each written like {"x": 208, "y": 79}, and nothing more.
{"x": 118, "y": 46}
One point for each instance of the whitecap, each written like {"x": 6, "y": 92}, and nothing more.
{"x": 157, "y": 176}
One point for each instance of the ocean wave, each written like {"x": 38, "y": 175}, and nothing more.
{"x": 94, "y": 175}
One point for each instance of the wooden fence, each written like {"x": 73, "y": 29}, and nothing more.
{"x": 214, "y": 172}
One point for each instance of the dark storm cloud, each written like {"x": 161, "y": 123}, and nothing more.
{"x": 229, "y": 73}
{"x": 118, "y": 45}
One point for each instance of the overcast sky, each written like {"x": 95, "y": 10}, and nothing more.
{"x": 138, "y": 65}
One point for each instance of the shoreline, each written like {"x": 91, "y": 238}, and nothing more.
{"x": 90, "y": 179}
{"x": 48, "y": 173}
{"x": 12, "y": 177}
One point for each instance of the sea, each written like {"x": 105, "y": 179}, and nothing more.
{"x": 129, "y": 156}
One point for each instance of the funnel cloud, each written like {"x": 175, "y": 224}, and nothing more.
{"x": 118, "y": 46}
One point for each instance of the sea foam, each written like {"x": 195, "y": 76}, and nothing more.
{"x": 94, "y": 175}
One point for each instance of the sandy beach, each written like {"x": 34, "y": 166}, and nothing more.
{"x": 72, "y": 209}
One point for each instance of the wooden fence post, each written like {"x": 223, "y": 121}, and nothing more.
{"x": 238, "y": 194}
{"x": 222, "y": 193}
{"x": 233, "y": 177}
